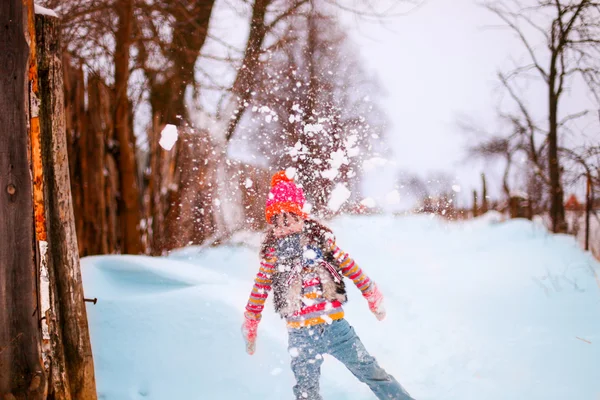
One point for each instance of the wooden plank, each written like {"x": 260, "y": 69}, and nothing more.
{"x": 21, "y": 370}
{"x": 73, "y": 367}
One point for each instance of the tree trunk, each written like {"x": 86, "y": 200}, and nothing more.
{"x": 129, "y": 204}
{"x": 484, "y": 200}
{"x": 505, "y": 176}
{"x": 72, "y": 368}
{"x": 244, "y": 80}
{"x": 557, "y": 208}
{"x": 93, "y": 151}
{"x": 21, "y": 369}
{"x": 167, "y": 99}
{"x": 75, "y": 116}
{"x": 190, "y": 218}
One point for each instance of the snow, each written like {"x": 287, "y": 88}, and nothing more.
{"x": 44, "y": 296}
{"x": 168, "y": 137}
{"x": 330, "y": 174}
{"x": 339, "y": 195}
{"x": 476, "y": 310}
{"x": 310, "y": 254}
{"x": 307, "y": 207}
{"x": 44, "y": 11}
{"x": 374, "y": 162}
{"x": 337, "y": 159}
{"x": 290, "y": 172}
{"x": 298, "y": 150}
{"x": 393, "y": 197}
{"x": 369, "y": 202}
{"x": 313, "y": 128}
{"x": 351, "y": 142}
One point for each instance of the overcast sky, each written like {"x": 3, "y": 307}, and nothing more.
{"x": 436, "y": 64}
{"x": 439, "y": 63}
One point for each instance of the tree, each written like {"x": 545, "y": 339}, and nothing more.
{"x": 315, "y": 113}
{"x": 497, "y": 147}
{"x": 569, "y": 32}
{"x": 189, "y": 33}
{"x": 585, "y": 167}
{"x": 169, "y": 66}
{"x": 433, "y": 193}
{"x": 516, "y": 136}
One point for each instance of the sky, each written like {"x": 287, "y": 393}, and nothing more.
{"x": 438, "y": 65}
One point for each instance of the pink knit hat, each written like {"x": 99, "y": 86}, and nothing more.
{"x": 284, "y": 196}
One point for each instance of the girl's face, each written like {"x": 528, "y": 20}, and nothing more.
{"x": 286, "y": 224}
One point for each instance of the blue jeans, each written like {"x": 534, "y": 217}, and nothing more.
{"x": 307, "y": 345}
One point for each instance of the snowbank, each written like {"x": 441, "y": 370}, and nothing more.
{"x": 480, "y": 310}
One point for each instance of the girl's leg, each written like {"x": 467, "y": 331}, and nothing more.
{"x": 346, "y": 346}
{"x": 306, "y": 365}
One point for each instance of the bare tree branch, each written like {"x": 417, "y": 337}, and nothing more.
{"x": 500, "y": 13}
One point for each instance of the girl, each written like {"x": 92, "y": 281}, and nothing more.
{"x": 305, "y": 269}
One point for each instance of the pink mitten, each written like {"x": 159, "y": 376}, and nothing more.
{"x": 375, "y": 299}
{"x": 249, "y": 328}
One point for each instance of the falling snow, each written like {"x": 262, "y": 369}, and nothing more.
{"x": 313, "y": 128}
{"x": 369, "y": 202}
{"x": 393, "y": 197}
{"x": 339, "y": 195}
{"x": 168, "y": 137}
{"x": 290, "y": 172}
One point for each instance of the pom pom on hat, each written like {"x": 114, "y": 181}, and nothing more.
{"x": 280, "y": 176}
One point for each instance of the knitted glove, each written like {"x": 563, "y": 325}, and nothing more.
{"x": 249, "y": 328}
{"x": 375, "y": 299}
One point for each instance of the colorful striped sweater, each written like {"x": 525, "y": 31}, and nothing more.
{"x": 315, "y": 308}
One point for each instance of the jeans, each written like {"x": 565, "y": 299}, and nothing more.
{"x": 306, "y": 346}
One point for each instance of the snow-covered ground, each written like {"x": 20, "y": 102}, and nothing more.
{"x": 480, "y": 310}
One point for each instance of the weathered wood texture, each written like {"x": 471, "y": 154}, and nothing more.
{"x": 129, "y": 201}
{"x": 21, "y": 369}
{"x": 92, "y": 162}
{"x": 72, "y": 367}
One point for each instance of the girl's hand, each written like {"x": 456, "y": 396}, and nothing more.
{"x": 375, "y": 299}
{"x": 249, "y": 331}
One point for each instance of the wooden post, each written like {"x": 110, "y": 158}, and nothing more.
{"x": 21, "y": 368}
{"x": 72, "y": 368}
{"x": 484, "y": 200}
{"x": 129, "y": 203}
{"x": 474, "y": 203}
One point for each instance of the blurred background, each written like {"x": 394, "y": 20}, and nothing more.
{"x": 178, "y": 113}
